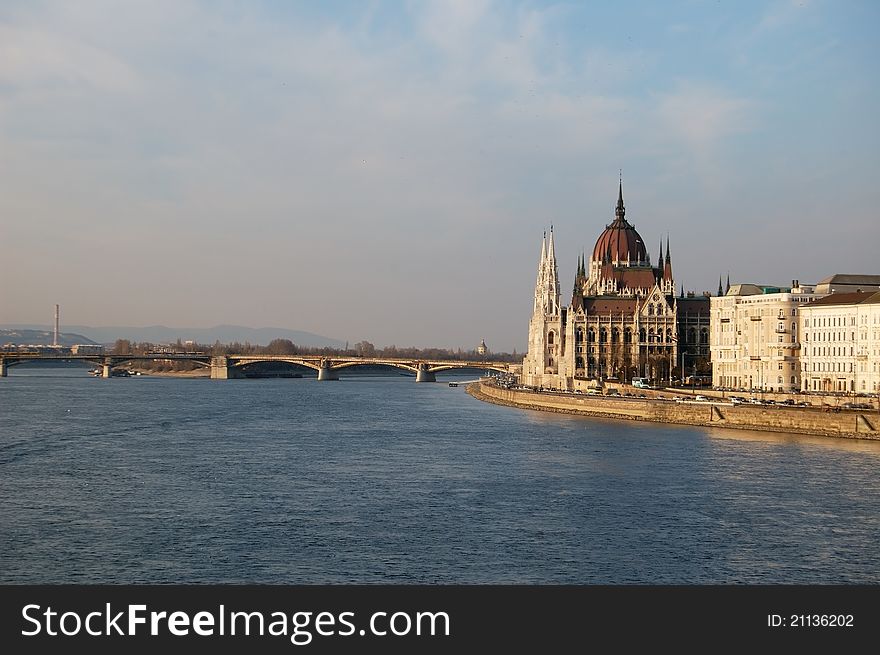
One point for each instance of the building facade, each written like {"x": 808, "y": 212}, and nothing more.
{"x": 755, "y": 336}
{"x": 624, "y": 319}
{"x": 841, "y": 345}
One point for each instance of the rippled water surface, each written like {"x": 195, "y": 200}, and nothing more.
{"x": 379, "y": 479}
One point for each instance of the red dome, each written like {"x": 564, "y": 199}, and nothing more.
{"x": 620, "y": 240}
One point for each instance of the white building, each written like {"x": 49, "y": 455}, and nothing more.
{"x": 754, "y": 336}
{"x": 841, "y": 343}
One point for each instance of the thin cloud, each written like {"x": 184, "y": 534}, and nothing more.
{"x": 702, "y": 116}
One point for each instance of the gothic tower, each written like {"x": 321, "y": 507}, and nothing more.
{"x": 541, "y": 364}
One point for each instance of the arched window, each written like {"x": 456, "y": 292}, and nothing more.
{"x": 578, "y": 335}
{"x": 603, "y": 335}
{"x": 642, "y": 335}
{"x": 627, "y": 335}
{"x": 579, "y": 362}
{"x": 704, "y": 336}
{"x": 550, "y": 337}
{"x": 692, "y": 335}
{"x": 650, "y": 310}
{"x": 615, "y": 335}
{"x": 591, "y": 335}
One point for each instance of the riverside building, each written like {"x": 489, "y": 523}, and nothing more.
{"x": 624, "y": 319}
{"x": 755, "y": 336}
{"x": 841, "y": 343}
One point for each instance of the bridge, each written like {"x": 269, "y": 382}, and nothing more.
{"x": 226, "y": 367}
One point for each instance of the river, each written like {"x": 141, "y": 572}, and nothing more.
{"x": 377, "y": 479}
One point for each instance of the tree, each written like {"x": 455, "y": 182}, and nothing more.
{"x": 122, "y": 347}
{"x": 281, "y": 347}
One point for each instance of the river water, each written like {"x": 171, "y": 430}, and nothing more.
{"x": 379, "y": 479}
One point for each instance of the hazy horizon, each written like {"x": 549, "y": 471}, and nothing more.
{"x": 384, "y": 171}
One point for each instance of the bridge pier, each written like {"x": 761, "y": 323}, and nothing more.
{"x": 106, "y": 369}
{"x": 326, "y": 371}
{"x": 3, "y": 367}
{"x": 221, "y": 369}
{"x": 423, "y": 374}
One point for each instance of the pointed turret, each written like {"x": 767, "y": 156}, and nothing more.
{"x": 577, "y": 293}
{"x": 543, "y": 259}
{"x": 552, "y": 281}
{"x": 542, "y": 276}
{"x": 667, "y": 265}
{"x": 620, "y": 211}
{"x": 682, "y": 290}
{"x": 658, "y": 272}
{"x": 728, "y": 283}
{"x": 720, "y": 290}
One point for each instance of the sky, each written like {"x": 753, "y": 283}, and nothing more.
{"x": 384, "y": 171}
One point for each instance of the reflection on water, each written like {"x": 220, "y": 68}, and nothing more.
{"x": 379, "y": 479}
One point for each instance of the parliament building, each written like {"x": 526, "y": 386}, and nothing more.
{"x": 624, "y": 319}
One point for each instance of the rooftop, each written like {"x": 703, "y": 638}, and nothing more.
{"x": 853, "y": 298}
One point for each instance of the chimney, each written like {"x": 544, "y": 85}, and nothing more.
{"x": 57, "y": 320}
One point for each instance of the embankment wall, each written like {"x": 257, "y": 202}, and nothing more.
{"x": 799, "y": 420}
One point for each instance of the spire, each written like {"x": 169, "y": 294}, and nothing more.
{"x": 552, "y": 280}
{"x": 543, "y": 263}
{"x": 682, "y": 290}
{"x": 720, "y": 290}
{"x": 542, "y": 279}
{"x": 620, "y": 212}
{"x": 660, "y": 259}
{"x": 667, "y": 265}
{"x": 728, "y": 283}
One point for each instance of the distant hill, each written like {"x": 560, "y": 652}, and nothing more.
{"x": 162, "y": 334}
{"x": 26, "y": 337}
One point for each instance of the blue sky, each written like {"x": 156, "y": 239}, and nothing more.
{"x": 384, "y": 171}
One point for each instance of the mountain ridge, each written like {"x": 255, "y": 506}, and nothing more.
{"x": 164, "y": 334}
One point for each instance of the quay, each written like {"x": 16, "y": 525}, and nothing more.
{"x": 715, "y": 413}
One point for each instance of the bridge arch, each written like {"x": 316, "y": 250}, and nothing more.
{"x": 398, "y": 365}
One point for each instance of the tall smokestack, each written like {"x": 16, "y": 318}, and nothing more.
{"x": 57, "y": 321}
